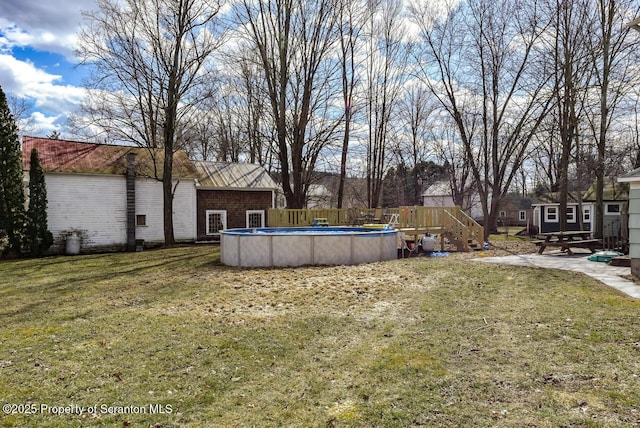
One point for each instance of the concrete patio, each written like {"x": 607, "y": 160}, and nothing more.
{"x": 578, "y": 262}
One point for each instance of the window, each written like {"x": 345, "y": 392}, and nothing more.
{"x": 571, "y": 214}
{"x": 216, "y": 221}
{"x": 522, "y": 215}
{"x": 255, "y": 218}
{"x": 503, "y": 214}
{"x": 612, "y": 209}
{"x": 141, "y": 220}
{"x": 586, "y": 215}
{"x": 551, "y": 215}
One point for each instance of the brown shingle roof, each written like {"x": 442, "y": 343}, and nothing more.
{"x": 554, "y": 198}
{"x": 88, "y": 158}
{"x": 612, "y": 191}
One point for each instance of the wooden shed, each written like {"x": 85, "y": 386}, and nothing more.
{"x": 232, "y": 195}
{"x": 581, "y": 209}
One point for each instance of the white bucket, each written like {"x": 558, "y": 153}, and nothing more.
{"x": 72, "y": 245}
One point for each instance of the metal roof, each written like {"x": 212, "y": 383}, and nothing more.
{"x": 439, "y": 188}
{"x": 216, "y": 175}
{"x": 87, "y": 158}
{"x": 630, "y": 176}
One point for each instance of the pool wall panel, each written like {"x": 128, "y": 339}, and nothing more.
{"x": 229, "y": 256}
{"x": 332, "y": 250}
{"x": 255, "y": 251}
{"x": 306, "y": 246}
{"x": 291, "y": 250}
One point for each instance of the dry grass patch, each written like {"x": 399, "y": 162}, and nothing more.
{"x": 436, "y": 342}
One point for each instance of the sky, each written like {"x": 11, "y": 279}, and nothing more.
{"x": 37, "y": 64}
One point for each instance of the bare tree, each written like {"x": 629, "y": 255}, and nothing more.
{"x": 488, "y": 76}
{"x": 449, "y": 151}
{"x": 614, "y": 61}
{"x": 544, "y": 156}
{"x": 202, "y": 142}
{"x": 20, "y": 110}
{"x": 631, "y": 132}
{"x": 350, "y": 27}
{"x": 234, "y": 123}
{"x": 256, "y": 114}
{"x": 293, "y": 39}
{"x": 571, "y": 25}
{"x": 147, "y": 59}
{"x": 228, "y": 129}
{"x": 415, "y": 115}
{"x": 387, "y": 59}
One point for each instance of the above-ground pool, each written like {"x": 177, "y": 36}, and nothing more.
{"x": 298, "y": 246}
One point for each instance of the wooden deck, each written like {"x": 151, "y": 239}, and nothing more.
{"x": 414, "y": 221}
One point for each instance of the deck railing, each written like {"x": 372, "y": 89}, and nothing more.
{"x": 293, "y": 218}
{"x": 475, "y": 231}
{"x": 437, "y": 219}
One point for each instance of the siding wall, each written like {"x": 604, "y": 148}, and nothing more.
{"x": 634, "y": 221}
{"x": 149, "y": 202}
{"x": 235, "y": 202}
{"x": 546, "y": 227}
{"x": 96, "y": 207}
{"x": 93, "y": 205}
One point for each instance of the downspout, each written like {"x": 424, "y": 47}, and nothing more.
{"x": 131, "y": 202}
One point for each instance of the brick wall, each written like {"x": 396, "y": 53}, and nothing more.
{"x": 234, "y": 202}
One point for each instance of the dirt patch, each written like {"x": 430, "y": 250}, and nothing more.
{"x": 366, "y": 291}
{"x": 498, "y": 249}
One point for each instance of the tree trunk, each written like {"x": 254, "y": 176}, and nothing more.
{"x": 606, "y": 16}
{"x": 343, "y": 157}
{"x": 167, "y": 192}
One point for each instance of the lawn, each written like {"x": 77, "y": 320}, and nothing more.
{"x": 171, "y": 338}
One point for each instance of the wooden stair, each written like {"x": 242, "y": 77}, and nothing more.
{"x": 460, "y": 244}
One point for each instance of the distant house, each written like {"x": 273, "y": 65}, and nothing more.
{"x": 546, "y": 215}
{"x": 581, "y": 215}
{"x": 90, "y": 194}
{"x": 439, "y": 194}
{"x": 616, "y": 202}
{"x": 318, "y": 196}
{"x": 232, "y": 195}
{"x": 515, "y": 210}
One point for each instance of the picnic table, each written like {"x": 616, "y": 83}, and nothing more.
{"x": 567, "y": 240}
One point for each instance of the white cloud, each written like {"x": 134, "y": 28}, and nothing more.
{"x": 13, "y": 36}
{"x": 39, "y": 124}
{"x": 21, "y": 77}
{"x": 49, "y": 26}
{"x": 52, "y": 103}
